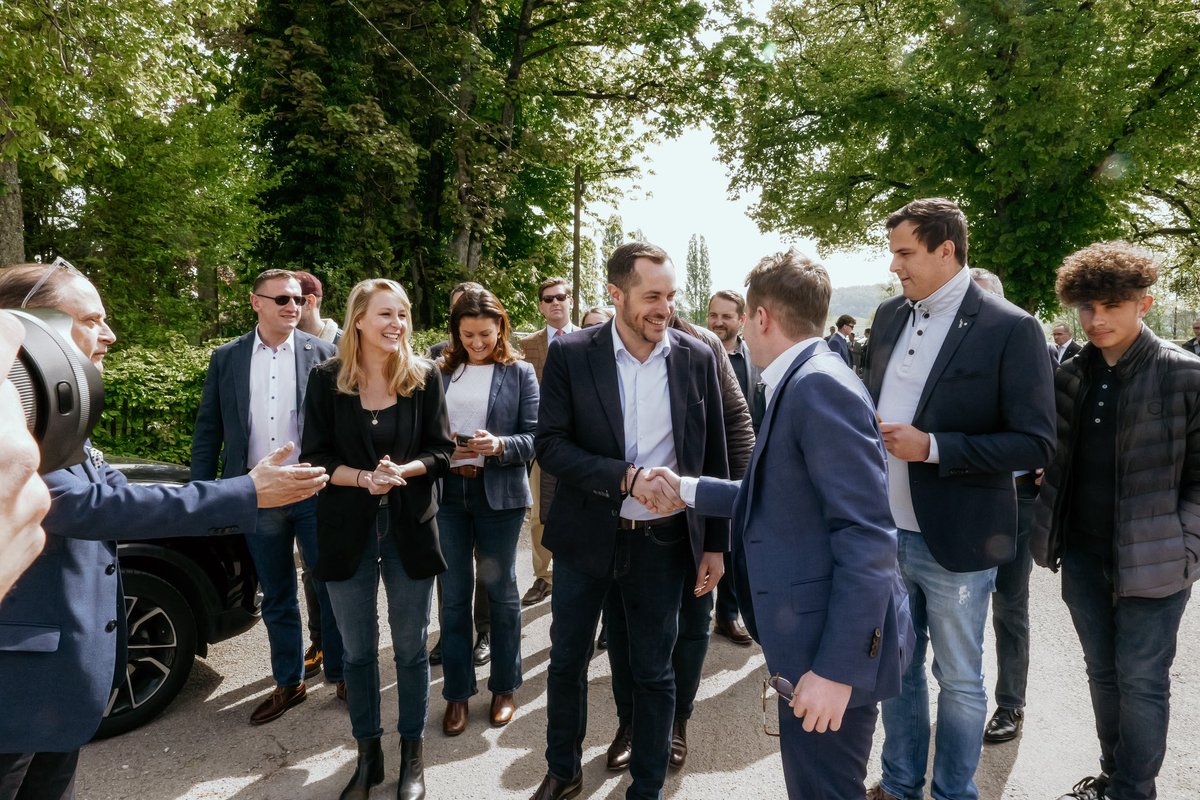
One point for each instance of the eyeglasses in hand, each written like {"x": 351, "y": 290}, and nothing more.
{"x": 284, "y": 299}
{"x": 785, "y": 690}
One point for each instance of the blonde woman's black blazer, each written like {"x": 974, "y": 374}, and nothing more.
{"x": 336, "y": 432}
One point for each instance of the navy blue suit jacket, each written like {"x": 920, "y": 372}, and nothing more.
{"x": 581, "y": 441}
{"x": 62, "y": 627}
{"x": 224, "y": 415}
{"x": 512, "y": 413}
{"x": 814, "y": 546}
{"x": 989, "y": 400}
{"x": 840, "y": 346}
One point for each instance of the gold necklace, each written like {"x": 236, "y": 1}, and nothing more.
{"x": 374, "y": 415}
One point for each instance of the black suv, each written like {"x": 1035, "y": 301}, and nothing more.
{"x": 181, "y": 595}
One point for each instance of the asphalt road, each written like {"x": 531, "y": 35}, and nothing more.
{"x": 203, "y": 747}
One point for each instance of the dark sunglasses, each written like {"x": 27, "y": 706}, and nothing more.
{"x": 785, "y": 689}
{"x": 550, "y": 298}
{"x": 283, "y": 299}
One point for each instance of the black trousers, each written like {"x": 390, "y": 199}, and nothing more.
{"x": 38, "y": 776}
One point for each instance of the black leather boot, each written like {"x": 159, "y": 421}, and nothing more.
{"x": 368, "y": 773}
{"x": 412, "y": 771}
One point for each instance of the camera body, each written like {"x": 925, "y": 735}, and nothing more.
{"x": 62, "y": 393}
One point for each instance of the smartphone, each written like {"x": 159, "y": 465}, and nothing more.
{"x": 462, "y": 439}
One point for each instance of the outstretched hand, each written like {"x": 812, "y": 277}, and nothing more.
{"x": 657, "y": 489}
{"x": 277, "y": 484}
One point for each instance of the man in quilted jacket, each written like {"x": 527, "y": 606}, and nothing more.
{"x": 1119, "y": 510}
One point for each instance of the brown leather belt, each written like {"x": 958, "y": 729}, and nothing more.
{"x": 467, "y": 471}
{"x": 1028, "y": 479}
{"x": 646, "y": 524}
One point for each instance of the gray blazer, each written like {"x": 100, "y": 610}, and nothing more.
{"x": 224, "y": 415}
{"x": 512, "y": 414}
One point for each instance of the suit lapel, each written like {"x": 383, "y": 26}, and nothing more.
{"x": 497, "y": 381}
{"x": 963, "y": 324}
{"x": 678, "y": 373}
{"x": 241, "y": 381}
{"x": 887, "y": 339}
{"x": 604, "y": 377}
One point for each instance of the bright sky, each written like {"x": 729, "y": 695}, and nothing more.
{"x": 684, "y": 192}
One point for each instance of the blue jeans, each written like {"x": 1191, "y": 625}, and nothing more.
{"x": 1128, "y": 647}
{"x": 1010, "y": 610}
{"x": 272, "y": 547}
{"x": 650, "y": 568}
{"x": 468, "y": 529}
{"x": 691, "y": 647}
{"x": 949, "y": 608}
{"x": 355, "y": 604}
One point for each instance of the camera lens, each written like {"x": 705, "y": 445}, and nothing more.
{"x": 61, "y": 392}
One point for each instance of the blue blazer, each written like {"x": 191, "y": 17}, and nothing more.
{"x": 224, "y": 415}
{"x": 62, "y": 627}
{"x": 989, "y": 400}
{"x": 840, "y": 346}
{"x": 581, "y": 441}
{"x": 512, "y": 413}
{"x": 814, "y": 546}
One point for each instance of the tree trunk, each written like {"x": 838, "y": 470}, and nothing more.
{"x": 12, "y": 225}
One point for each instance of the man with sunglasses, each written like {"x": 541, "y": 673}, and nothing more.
{"x": 554, "y": 304}
{"x": 253, "y": 402}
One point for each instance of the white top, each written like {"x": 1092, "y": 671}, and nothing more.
{"x": 907, "y": 372}
{"x": 553, "y": 333}
{"x": 771, "y": 376}
{"x": 467, "y": 401}
{"x": 646, "y": 411}
{"x": 273, "y": 415}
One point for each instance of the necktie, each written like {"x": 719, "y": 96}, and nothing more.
{"x": 557, "y": 333}
{"x": 758, "y": 405}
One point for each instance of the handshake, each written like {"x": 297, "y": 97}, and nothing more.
{"x": 657, "y": 488}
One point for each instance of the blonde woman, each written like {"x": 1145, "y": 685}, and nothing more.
{"x": 376, "y": 420}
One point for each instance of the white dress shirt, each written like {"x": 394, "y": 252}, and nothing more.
{"x": 646, "y": 411}
{"x": 905, "y": 377}
{"x": 770, "y": 377}
{"x": 552, "y": 333}
{"x": 274, "y": 419}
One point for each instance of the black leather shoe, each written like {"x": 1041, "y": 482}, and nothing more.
{"x": 1088, "y": 789}
{"x": 621, "y": 749}
{"x": 679, "y": 744}
{"x": 482, "y": 653}
{"x": 368, "y": 772}
{"x": 435, "y": 655}
{"x": 1004, "y": 726}
{"x": 554, "y": 789}
{"x": 412, "y": 771}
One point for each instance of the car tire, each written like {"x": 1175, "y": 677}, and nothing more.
{"x": 161, "y": 651}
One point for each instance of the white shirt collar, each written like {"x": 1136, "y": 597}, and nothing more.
{"x": 663, "y": 347}
{"x": 288, "y": 344}
{"x": 948, "y": 297}
{"x": 568, "y": 328}
{"x": 774, "y": 372}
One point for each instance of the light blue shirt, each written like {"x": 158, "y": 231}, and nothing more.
{"x": 907, "y": 372}
{"x": 646, "y": 412}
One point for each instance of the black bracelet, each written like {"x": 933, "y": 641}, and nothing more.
{"x": 625, "y": 492}
{"x": 635, "y": 477}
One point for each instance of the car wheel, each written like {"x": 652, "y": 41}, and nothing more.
{"x": 162, "y": 648}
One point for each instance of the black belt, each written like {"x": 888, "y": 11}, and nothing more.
{"x": 648, "y": 524}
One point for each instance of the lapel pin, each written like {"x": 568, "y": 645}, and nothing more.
{"x": 962, "y": 323}
{"x": 308, "y": 347}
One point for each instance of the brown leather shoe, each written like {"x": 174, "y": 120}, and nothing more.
{"x": 503, "y": 708}
{"x": 877, "y": 792}
{"x": 554, "y": 789}
{"x": 733, "y": 631}
{"x": 280, "y": 700}
{"x": 341, "y": 691}
{"x": 537, "y": 593}
{"x": 621, "y": 749}
{"x": 679, "y": 744}
{"x": 314, "y": 656}
{"x": 455, "y": 721}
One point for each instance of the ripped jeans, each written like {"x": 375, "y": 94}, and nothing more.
{"x": 950, "y": 609}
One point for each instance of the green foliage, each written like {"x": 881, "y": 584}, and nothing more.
{"x": 1053, "y": 124}
{"x": 698, "y": 286}
{"x": 151, "y": 396}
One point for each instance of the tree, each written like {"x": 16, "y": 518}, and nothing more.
{"x": 1053, "y": 124}
{"x": 69, "y": 69}
{"x": 698, "y": 286}
{"x": 437, "y": 141}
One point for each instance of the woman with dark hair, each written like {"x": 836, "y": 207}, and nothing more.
{"x": 376, "y": 420}
{"x": 492, "y": 402}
